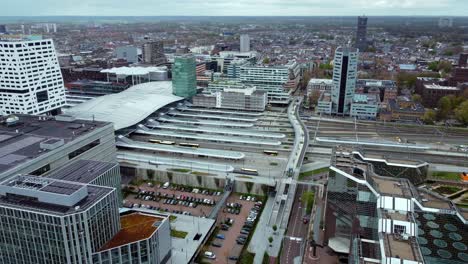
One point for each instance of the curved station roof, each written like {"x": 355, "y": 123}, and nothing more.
{"x": 129, "y": 107}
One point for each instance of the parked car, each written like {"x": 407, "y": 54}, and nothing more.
{"x": 209, "y": 254}
{"x": 220, "y": 236}
{"x": 214, "y": 244}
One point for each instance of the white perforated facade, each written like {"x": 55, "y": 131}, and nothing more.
{"x": 30, "y": 78}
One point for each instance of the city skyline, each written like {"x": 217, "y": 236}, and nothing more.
{"x": 238, "y": 8}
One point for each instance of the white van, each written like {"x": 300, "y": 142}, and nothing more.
{"x": 166, "y": 185}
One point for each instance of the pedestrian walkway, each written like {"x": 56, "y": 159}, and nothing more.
{"x": 259, "y": 242}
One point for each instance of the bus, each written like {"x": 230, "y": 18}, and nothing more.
{"x": 271, "y": 152}
{"x": 192, "y": 145}
{"x": 167, "y": 142}
{"x": 249, "y": 170}
{"x": 164, "y": 142}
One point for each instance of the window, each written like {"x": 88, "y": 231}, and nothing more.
{"x": 83, "y": 149}
{"x": 399, "y": 229}
{"x": 41, "y": 170}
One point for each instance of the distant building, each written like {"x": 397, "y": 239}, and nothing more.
{"x": 432, "y": 93}
{"x": 403, "y": 108}
{"x": 153, "y": 53}
{"x": 234, "y": 98}
{"x": 445, "y": 22}
{"x": 244, "y": 43}
{"x": 129, "y": 53}
{"x": 460, "y": 73}
{"x": 365, "y": 106}
{"x": 361, "y": 34}
{"x": 381, "y": 87}
{"x": 184, "y": 80}
{"x": 324, "y": 104}
{"x": 32, "y": 84}
{"x": 344, "y": 79}
{"x": 319, "y": 85}
{"x": 3, "y": 29}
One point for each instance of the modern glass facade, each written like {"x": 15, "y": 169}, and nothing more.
{"x": 184, "y": 79}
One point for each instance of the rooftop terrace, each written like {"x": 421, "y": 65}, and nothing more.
{"x": 135, "y": 226}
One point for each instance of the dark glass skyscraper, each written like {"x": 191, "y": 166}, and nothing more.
{"x": 361, "y": 34}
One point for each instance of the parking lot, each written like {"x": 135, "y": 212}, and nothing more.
{"x": 178, "y": 200}
{"x": 227, "y": 245}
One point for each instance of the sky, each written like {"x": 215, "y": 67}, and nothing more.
{"x": 233, "y": 7}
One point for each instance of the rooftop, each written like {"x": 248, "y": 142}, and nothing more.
{"x": 135, "y": 226}
{"x": 129, "y": 107}
{"x": 49, "y": 196}
{"x": 128, "y": 71}
{"x": 20, "y": 141}
{"x": 397, "y": 247}
{"x": 84, "y": 171}
{"x": 441, "y": 87}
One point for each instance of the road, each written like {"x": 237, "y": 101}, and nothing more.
{"x": 297, "y": 230}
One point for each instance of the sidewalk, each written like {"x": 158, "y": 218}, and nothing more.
{"x": 259, "y": 242}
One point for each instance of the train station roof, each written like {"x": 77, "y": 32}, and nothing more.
{"x": 129, "y": 107}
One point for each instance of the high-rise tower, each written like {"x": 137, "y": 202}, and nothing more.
{"x": 244, "y": 43}
{"x": 184, "y": 79}
{"x": 344, "y": 79}
{"x": 361, "y": 34}
{"x": 153, "y": 53}
{"x": 30, "y": 77}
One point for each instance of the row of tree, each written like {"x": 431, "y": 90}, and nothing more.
{"x": 449, "y": 107}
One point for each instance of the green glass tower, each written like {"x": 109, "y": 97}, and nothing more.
{"x": 184, "y": 80}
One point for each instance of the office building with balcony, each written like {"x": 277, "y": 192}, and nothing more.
{"x": 376, "y": 216}
{"x": 184, "y": 79}
{"x": 30, "y": 77}
{"x": 344, "y": 79}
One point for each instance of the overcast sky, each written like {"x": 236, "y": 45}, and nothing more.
{"x": 233, "y": 7}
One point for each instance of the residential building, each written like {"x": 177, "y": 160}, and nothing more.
{"x": 36, "y": 145}
{"x": 431, "y": 93}
{"x": 32, "y": 84}
{"x": 365, "y": 106}
{"x": 244, "y": 43}
{"x": 361, "y": 34}
{"x": 344, "y": 79}
{"x": 153, "y": 53}
{"x": 246, "y": 98}
{"x": 460, "y": 73}
{"x": 3, "y": 29}
{"x": 129, "y": 53}
{"x": 184, "y": 79}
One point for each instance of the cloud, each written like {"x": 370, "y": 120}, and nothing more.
{"x": 232, "y": 7}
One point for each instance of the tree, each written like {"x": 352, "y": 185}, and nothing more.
{"x": 266, "y": 60}
{"x": 314, "y": 97}
{"x": 429, "y": 117}
{"x": 445, "y": 107}
{"x": 275, "y": 227}
{"x": 433, "y": 66}
{"x": 461, "y": 113}
{"x": 416, "y": 98}
{"x": 270, "y": 239}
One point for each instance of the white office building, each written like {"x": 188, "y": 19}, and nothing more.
{"x": 244, "y": 43}
{"x": 30, "y": 77}
{"x": 344, "y": 79}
